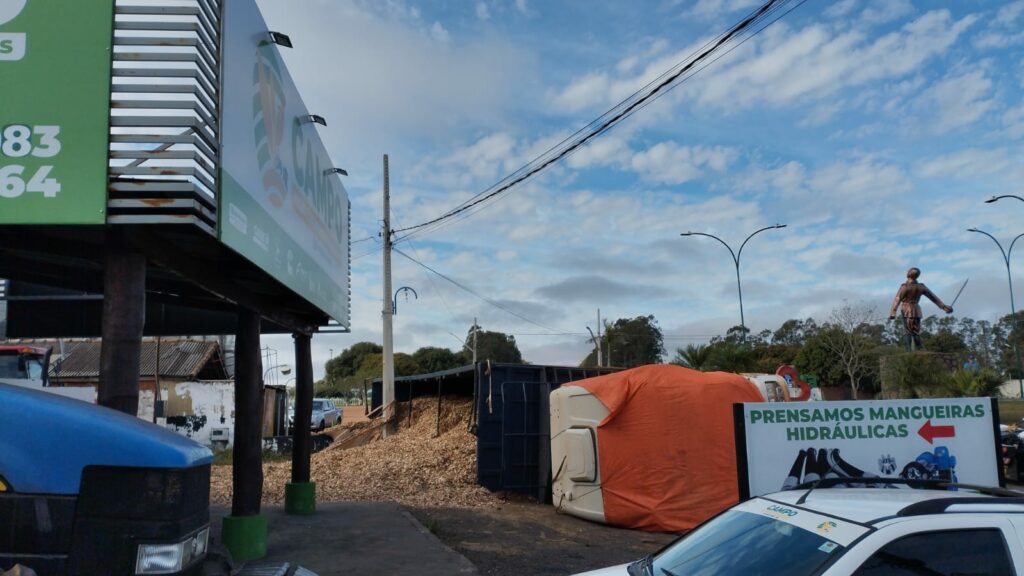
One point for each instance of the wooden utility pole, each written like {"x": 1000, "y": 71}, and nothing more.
{"x": 124, "y": 314}
{"x": 301, "y": 439}
{"x": 247, "y": 455}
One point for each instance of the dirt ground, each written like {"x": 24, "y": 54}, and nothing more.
{"x": 520, "y": 538}
{"x": 429, "y": 467}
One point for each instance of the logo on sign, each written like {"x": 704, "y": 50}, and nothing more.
{"x": 782, "y": 510}
{"x": 12, "y": 44}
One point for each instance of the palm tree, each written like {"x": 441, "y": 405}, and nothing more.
{"x": 693, "y": 356}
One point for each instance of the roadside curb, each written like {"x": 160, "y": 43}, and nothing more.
{"x": 466, "y": 567}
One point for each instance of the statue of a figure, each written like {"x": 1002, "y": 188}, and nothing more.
{"x": 907, "y": 299}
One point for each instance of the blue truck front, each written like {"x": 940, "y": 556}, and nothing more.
{"x": 85, "y": 490}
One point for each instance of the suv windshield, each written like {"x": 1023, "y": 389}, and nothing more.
{"x": 758, "y": 537}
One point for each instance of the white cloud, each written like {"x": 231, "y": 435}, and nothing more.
{"x": 1004, "y": 30}
{"x": 974, "y": 163}
{"x": 393, "y": 80}
{"x": 709, "y": 9}
{"x": 783, "y": 66}
{"x": 438, "y": 32}
{"x": 670, "y": 163}
{"x": 482, "y": 11}
{"x": 958, "y": 100}
{"x": 840, "y": 9}
{"x": 884, "y": 11}
{"x": 609, "y": 150}
{"x": 1013, "y": 120}
{"x": 586, "y": 92}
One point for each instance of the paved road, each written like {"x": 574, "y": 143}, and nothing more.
{"x": 353, "y": 538}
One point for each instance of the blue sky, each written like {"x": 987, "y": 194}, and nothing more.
{"x": 874, "y": 128}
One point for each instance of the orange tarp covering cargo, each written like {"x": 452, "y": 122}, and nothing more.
{"x": 666, "y": 451}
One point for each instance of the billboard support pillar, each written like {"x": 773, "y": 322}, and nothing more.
{"x": 247, "y": 529}
{"x": 124, "y": 314}
{"x": 300, "y": 494}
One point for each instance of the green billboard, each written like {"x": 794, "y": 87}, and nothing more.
{"x": 282, "y": 205}
{"x": 55, "y": 60}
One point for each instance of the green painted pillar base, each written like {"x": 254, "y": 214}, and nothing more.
{"x": 300, "y": 498}
{"x": 245, "y": 537}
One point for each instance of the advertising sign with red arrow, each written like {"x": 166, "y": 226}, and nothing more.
{"x": 929, "y": 432}
{"x": 782, "y": 445}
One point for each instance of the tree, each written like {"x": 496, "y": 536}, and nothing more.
{"x": 348, "y": 362}
{"x": 816, "y": 358}
{"x": 847, "y": 338}
{"x": 434, "y": 359}
{"x": 694, "y": 356}
{"x": 634, "y": 342}
{"x": 794, "y": 332}
{"x": 973, "y": 383}
{"x": 729, "y": 355}
{"x": 493, "y": 346}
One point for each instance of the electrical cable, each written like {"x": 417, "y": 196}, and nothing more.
{"x": 618, "y": 113}
{"x": 478, "y": 295}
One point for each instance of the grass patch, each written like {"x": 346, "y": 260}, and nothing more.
{"x": 225, "y": 457}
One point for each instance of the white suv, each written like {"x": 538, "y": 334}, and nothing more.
{"x": 858, "y": 531}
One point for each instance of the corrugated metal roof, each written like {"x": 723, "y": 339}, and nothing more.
{"x": 179, "y": 357}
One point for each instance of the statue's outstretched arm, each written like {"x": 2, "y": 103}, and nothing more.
{"x": 938, "y": 302}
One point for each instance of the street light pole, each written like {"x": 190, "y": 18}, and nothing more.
{"x": 286, "y": 369}
{"x": 1013, "y": 309}
{"x": 736, "y": 260}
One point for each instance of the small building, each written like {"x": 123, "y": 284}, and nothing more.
{"x": 196, "y": 392}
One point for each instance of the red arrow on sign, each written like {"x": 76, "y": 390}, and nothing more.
{"x": 928, "y": 432}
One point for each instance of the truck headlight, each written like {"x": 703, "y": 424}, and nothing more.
{"x": 171, "y": 558}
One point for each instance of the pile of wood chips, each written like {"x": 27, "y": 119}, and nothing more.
{"x": 414, "y": 466}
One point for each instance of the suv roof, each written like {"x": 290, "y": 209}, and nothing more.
{"x": 870, "y": 505}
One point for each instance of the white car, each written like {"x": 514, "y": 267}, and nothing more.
{"x": 859, "y": 531}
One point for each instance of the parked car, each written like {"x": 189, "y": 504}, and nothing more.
{"x": 859, "y": 531}
{"x": 1013, "y": 454}
{"x": 325, "y": 414}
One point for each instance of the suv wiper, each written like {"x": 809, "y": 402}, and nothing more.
{"x": 641, "y": 567}
{"x": 668, "y": 572}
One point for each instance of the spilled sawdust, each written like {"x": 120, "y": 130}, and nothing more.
{"x": 415, "y": 467}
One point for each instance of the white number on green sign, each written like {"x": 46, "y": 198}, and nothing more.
{"x": 12, "y": 182}
{"x": 16, "y": 141}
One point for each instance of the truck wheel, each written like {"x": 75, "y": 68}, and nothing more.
{"x": 322, "y": 426}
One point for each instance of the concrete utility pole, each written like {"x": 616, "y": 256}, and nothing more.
{"x": 599, "y": 361}
{"x": 475, "y": 328}
{"x": 388, "y": 379}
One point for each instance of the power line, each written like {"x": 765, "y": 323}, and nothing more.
{"x": 480, "y": 296}
{"x": 611, "y": 118}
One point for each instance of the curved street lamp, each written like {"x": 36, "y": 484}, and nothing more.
{"x": 286, "y": 369}
{"x": 394, "y": 299}
{"x": 1013, "y": 310}
{"x": 1001, "y": 196}
{"x": 736, "y": 260}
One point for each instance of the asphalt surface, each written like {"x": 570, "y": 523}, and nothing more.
{"x": 354, "y": 538}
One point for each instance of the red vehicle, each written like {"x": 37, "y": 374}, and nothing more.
{"x": 28, "y": 367}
